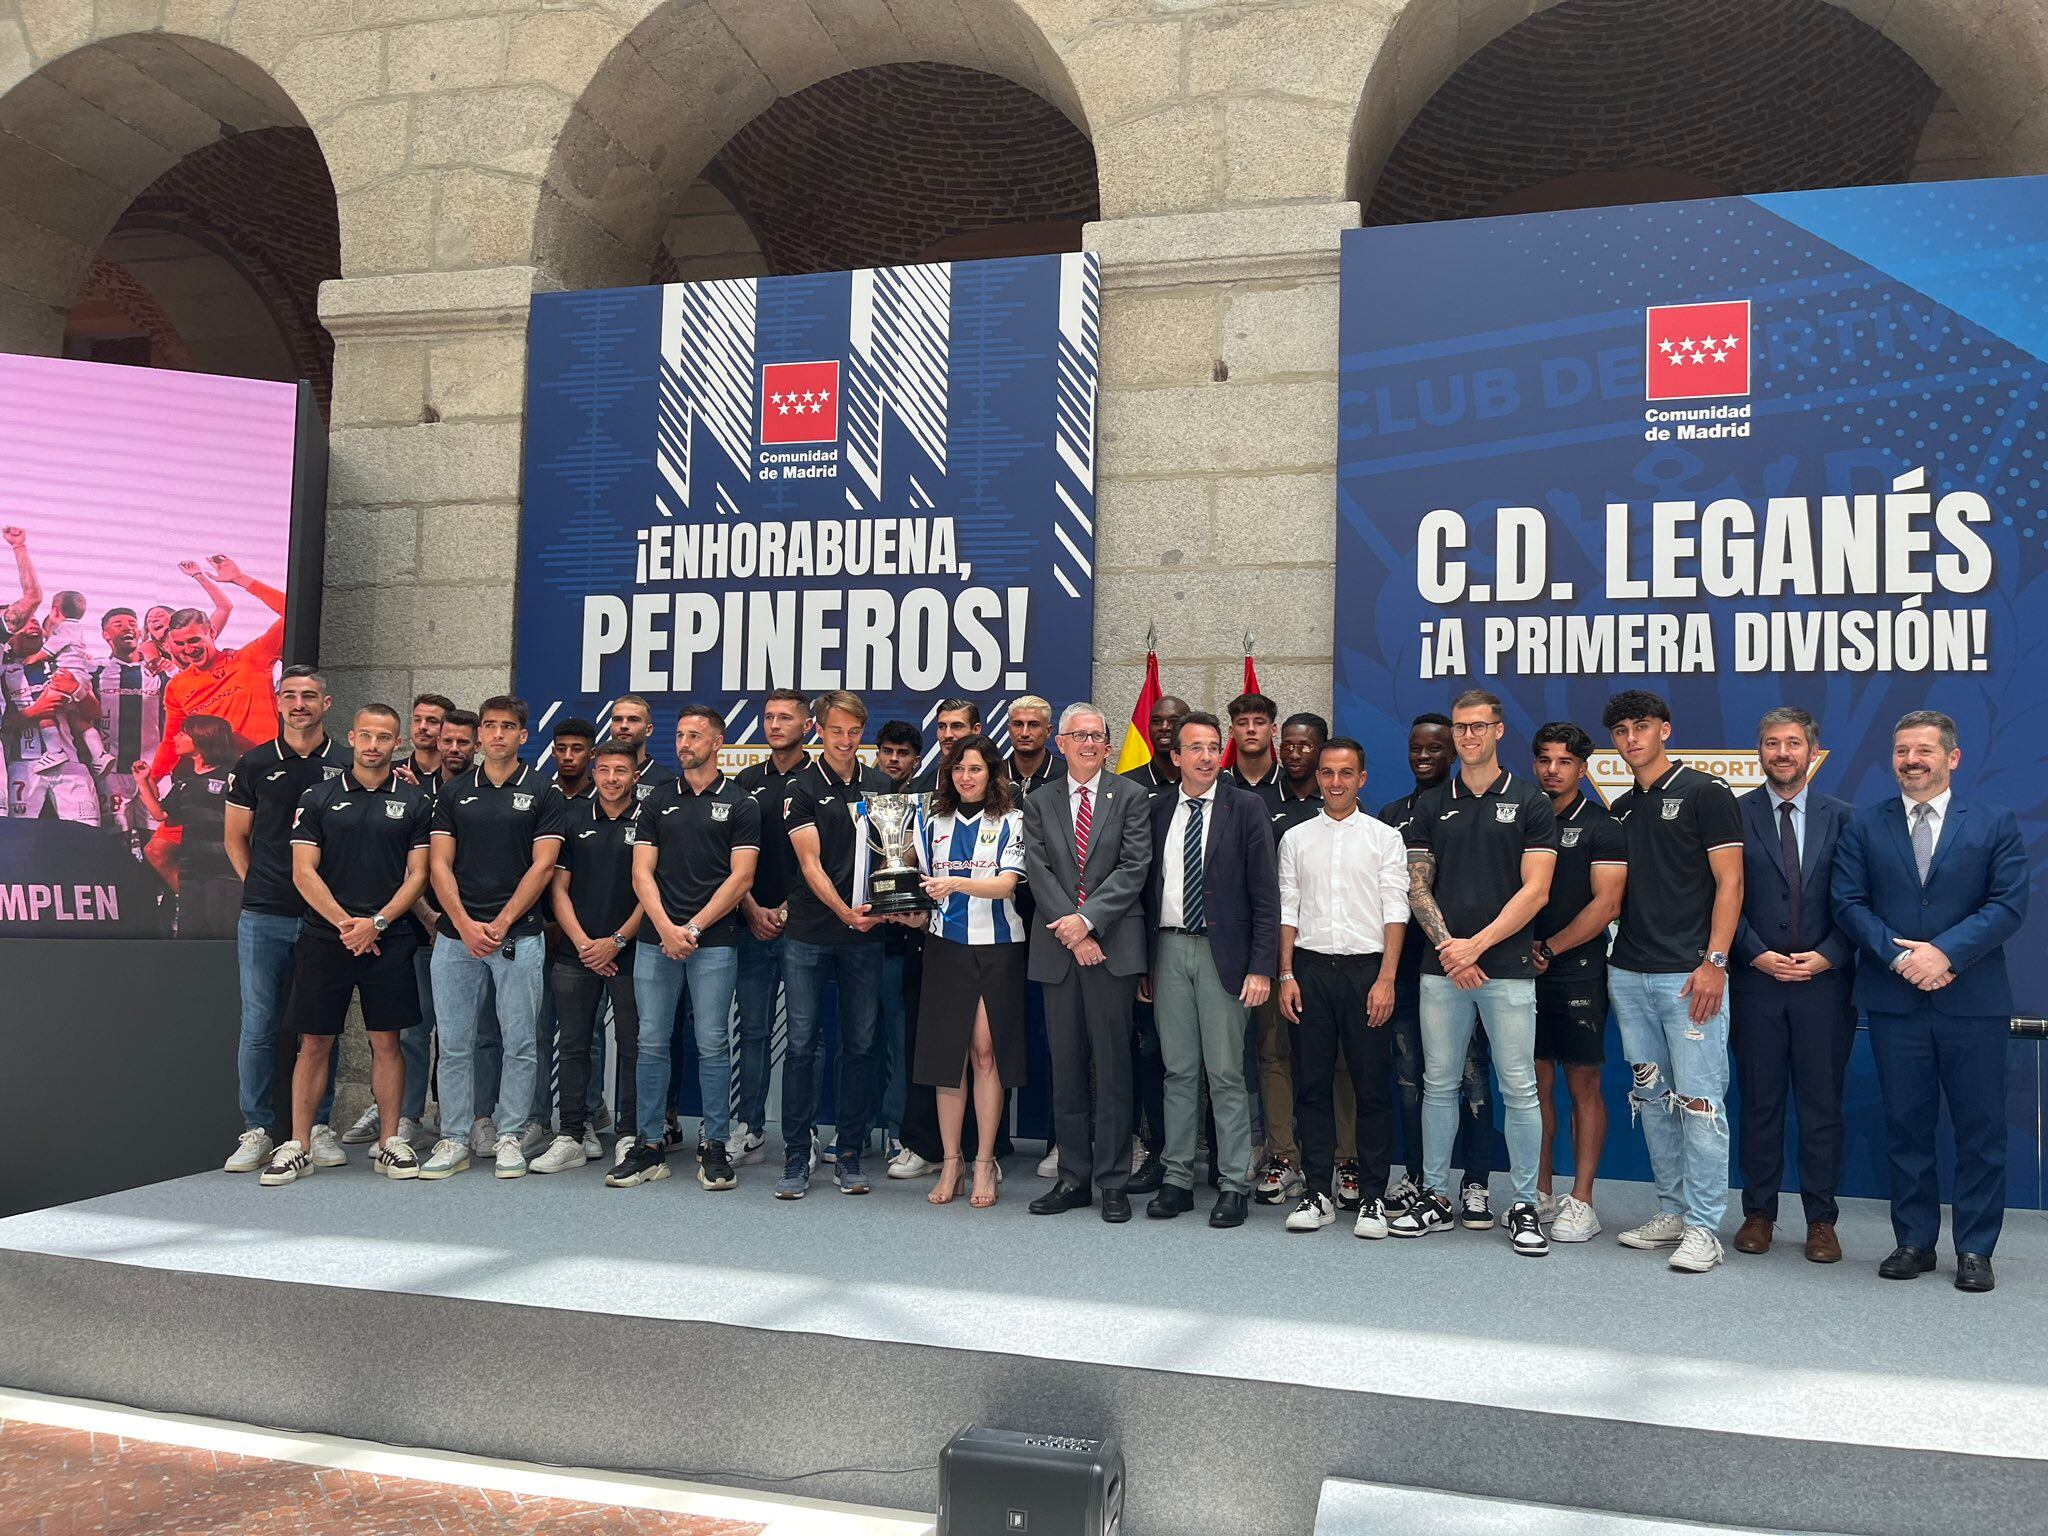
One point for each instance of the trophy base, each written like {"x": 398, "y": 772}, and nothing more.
{"x": 897, "y": 893}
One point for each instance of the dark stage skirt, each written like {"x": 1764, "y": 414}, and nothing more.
{"x": 956, "y": 977}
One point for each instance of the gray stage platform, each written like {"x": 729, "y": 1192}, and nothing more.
{"x": 830, "y": 1347}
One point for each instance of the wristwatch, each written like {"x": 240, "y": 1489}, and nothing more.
{"x": 1718, "y": 959}
{"x": 1543, "y": 952}
{"x": 693, "y": 931}
{"x": 1285, "y": 976}
{"x": 380, "y": 922}
{"x": 619, "y": 940}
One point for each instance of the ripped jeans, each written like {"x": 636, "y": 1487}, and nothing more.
{"x": 1675, "y": 1060}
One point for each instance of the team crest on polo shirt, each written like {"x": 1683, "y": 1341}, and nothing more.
{"x": 1669, "y": 809}
{"x": 720, "y": 812}
{"x": 395, "y": 809}
{"x": 1569, "y": 836}
{"x": 522, "y": 802}
{"x": 1506, "y": 811}
{"x": 632, "y": 834}
{"x": 642, "y": 791}
{"x": 329, "y": 772}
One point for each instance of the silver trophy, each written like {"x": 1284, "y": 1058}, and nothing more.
{"x": 895, "y": 884}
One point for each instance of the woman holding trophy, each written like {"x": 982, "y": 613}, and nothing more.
{"x": 970, "y": 848}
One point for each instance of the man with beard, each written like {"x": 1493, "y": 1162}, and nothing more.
{"x": 764, "y": 910}
{"x": 130, "y": 701}
{"x": 1790, "y": 1012}
{"x": 430, "y": 711}
{"x": 632, "y": 722}
{"x": 232, "y": 684}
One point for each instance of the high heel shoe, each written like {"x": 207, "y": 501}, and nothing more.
{"x": 947, "y": 1189}
{"x": 975, "y": 1199}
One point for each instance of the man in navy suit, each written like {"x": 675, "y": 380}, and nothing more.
{"x": 1930, "y": 887}
{"x": 1212, "y": 908}
{"x": 1790, "y": 1010}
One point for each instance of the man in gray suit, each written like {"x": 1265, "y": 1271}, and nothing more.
{"x": 1087, "y": 847}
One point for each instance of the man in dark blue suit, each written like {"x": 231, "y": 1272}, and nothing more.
{"x": 1930, "y": 887}
{"x": 1789, "y": 987}
{"x": 1212, "y": 908}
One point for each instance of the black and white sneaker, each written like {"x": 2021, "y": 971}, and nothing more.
{"x": 1474, "y": 1214}
{"x": 1525, "y": 1231}
{"x": 714, "y": 1167}
{"x": 1402, "y": 1195}
{"x": 1347, "y": 1184}
{"x": 396, "y": 1159}
{"x": 1431, "y": 1212}
{"x": 1313, "y": 1214}
{"x": 288, "y": 1164}
{"x": 644, "y": 1164}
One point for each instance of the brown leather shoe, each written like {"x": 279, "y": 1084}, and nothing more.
{"x": 1821, "y": 1246}
{"x": 1755, "y": 1236}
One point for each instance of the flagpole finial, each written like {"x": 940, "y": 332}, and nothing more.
{"x": 1247, "y": 642}
{"x": 1151, "y": 637}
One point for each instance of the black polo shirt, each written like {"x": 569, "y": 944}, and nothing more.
{"x": 1285, "y": 811}
{"x": 1048, "y": 770}
{"x": 198, "y": 803}
{"x": 649, "y": 777}
{"x": 1479, "y": 841}
{"x": 819, "y": 798}
{"x": 597, "y": 851}
{"x": 1667, "y": 913}
{"x": 1266, "y": 788}
{"x": 1155, "y": 782}
{"x": 495, "y": 827}
{"x": 694, "y": 835}
{"x": 364, "y": 837}
{"x": 269, "y": 781}
{"x": 769, "y": 789}
{"x": 1586, "y": 836}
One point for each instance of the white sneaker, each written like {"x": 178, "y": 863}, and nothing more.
{"x": 509, "y": 1161}
{"x": 1313, "y": 1214}
{"x": 395, "y": 1159}
{"x": 1575, "y": 1223}
{"x": 252, "y": 1153}
{"x": 412, "y": 1133}
{"x": 1049, "y": 1165}
{"x": 535, "y": 1138}
{"x": 1662, "y": 1230}
{"x": 364, "y": 1131}
{"x": 483, "y": 1136}
{"x": 327, "y": 1149}
{"x": 1546, "y": 1206}
{"x": 1372, "y": 1220}
{"x": 562, "y": 1154}
{"x": 1698, "y": 1251}
{"x": 909, "y": 1165}
{"x": 621, "y": 1147}
{"x": 448, "y": 1158}
{"x": 287, "y": 1165}
{"x": 747, "y": 1146}
{"x": 593, "y": 1149}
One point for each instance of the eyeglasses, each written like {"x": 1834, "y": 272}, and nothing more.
{"x": 1088, "y": 738}
{"x": 1474, "y": 727}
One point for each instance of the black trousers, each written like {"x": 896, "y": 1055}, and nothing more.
{"x": 1088, "y": 1022}
{"x": 1791, "y": 1033}
{"x": 578, "y": 990}
{"x": 1333, "y": 1013}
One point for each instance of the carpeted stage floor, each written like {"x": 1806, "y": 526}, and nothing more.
{"x": 1598, "y": 1349}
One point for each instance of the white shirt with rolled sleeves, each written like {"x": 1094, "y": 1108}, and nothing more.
{"x": 1342, "y": 882}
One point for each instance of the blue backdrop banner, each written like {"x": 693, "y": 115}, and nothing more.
{"x": 1742, "y": 452}
{"x": 878, "y": 480}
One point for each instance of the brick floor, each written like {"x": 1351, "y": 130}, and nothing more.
{"x": 63, "y": 1482}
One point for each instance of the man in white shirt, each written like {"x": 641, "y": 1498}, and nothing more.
{"x": 1343, "y": 916}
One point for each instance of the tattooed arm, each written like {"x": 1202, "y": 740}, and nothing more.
{"x": 1426, "y": 914}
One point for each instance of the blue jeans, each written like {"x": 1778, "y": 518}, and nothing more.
{"x": 264, "y": 943}
{"x": 856, "y": 968}
{"x": 416, "y": 1045}
{"x": 711, "y": 975}
{"x": 760, "y": 976}
{"x": 1674, "y": 1059}
{"x": 461, "y": 983}
{"x": 1508, "y": 1007}
{"x": 892, "y": 1071}
{"x": 1475, "y": 1132}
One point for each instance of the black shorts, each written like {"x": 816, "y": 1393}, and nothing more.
{"x": 325, "y": 976}
{"x": 1571, "y": 1018}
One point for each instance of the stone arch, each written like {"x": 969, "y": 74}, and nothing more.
{"x": 689, "y": 77}
{"x": 1989, "y": 62}
{"x": 84, "y": 134}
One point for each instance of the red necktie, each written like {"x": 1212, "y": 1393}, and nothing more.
{"x": 1083, "y": 820}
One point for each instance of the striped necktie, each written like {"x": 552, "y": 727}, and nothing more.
{"x": 1191, "y": 870}
{"x": 1084, "y": 820}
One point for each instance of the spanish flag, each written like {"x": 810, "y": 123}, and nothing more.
{"x": 1138, "y": 739}
{"x": 1251, "y": 685}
